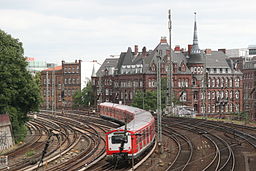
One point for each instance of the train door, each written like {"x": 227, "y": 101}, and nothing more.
{"x": 119, "y": 141}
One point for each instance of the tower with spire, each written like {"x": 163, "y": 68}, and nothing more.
{"x": 196, "y": 56}
{"x": 195, "y": 48}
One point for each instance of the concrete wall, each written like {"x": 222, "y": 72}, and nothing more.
{"x": 6, "y": 139}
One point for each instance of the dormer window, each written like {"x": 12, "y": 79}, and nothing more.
{"x": 183, "y": 67}
{"x": 153, "y": 67}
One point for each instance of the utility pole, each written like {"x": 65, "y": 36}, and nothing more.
{"x": 47, "y": 90}
{"x": 53, "y": 92}
{"x": 204, "y": 87}
{"x": 159, "y": 107}
{"x": 169, "y": 70}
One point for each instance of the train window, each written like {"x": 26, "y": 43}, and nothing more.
{"x": 118, "y": 139}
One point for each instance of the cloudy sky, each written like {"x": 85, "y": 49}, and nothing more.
{"x": 55, "y": 30}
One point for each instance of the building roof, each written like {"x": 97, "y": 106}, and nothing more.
{"x": 54, "y": 69}
{"x": 216, "y": 59}
{"x": 109, "y": 64}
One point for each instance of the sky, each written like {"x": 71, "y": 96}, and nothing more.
{"x": 56, "y": 30}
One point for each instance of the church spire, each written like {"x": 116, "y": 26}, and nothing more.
{"x": 195, "y": 48}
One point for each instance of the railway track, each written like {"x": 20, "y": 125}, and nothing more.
{"x": 221, "y": 136}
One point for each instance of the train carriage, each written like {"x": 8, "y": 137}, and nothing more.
{"x": 134, "y": 137}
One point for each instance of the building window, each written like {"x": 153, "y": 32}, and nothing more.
{"x": 226, "y": 82}
{"x": 213, "y": 82}
{"x": 183, "y": 96}
{"x": 230, "y": 82}
{"x": 237, "y": 82}
{"x": 209, "y": 82}
{"x": 226, "y": 94}
{"x": 213, "y": 95}
{"x": 141, "y": 83}
{"x": 65, "y": 81}
{"x": 194, "y": 81}
{"x": 195, "y": 95}
{"x": 237, "y": 94}
{"x": 59, "y": 86}
{"x": 213, "y": 108}
{"x": 131, "y": 95}
{"x": 221, "y": 82}
{"x": 209, "y": 95}
{"x": 231, "y": 94}
{"x": 77, "y": 69}
{"x": 221, "y": 94}
{"x": 209, "y": 108}
{"x": 217, "y": 82}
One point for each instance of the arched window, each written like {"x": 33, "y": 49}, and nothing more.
{"x": 153, "y": 67}
{"x": 237, "y": 94}
{"x": 231, "y": 94}
{"x": 226, "y": 94}
{"x": 230, "y": 82}
{"x": 194, "y": 81}
{"x": 217, "y": 82}
{"x": 209, "y": 82}
{"x": 226, "y": 82}
{"x": 237, "y": 81}
{"x": 213, "y": 82}
{"x": 226, "y": 108}
{"x": 209, "y": 108}
{"x": 221, "y": 94}
{"x": 221, "y": 82}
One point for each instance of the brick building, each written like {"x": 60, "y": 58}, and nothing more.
{"x": 63, "y": 81}
{"x": 249, "y": 85}
{"x": 202, "y": 79}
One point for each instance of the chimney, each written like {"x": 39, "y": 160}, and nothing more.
{"x": 144, "y": 51}
{"x": 208, "y": 51}
{"x": 222, "y": 50}
{"x": 75, "y": 61}
{"x": 177, "y": 48}
{"x": 62, "y": 62}
{"x": 135, "y": 49}
{"x": 163, "y": 40}
{"x": 189, "y": 48}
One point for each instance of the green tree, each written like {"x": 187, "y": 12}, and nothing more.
{"x": 84, "y": 98}
{"x": 19, "y": 93}
{"x": 150, "y": 98}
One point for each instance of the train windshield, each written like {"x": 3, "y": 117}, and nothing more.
{"x": 118, "y": 139}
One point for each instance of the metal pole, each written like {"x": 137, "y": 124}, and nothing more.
{"x": 159, "y": 109}
{"x": 47, "y": 91}
{"x": 169, "y": 69}
{"x": 204, "y": 88}
{"x": 53, "y": 91}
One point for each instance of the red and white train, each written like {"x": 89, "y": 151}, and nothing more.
{"x": 133, "y": 138}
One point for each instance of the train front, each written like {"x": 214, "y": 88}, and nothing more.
{"x": 119, "y": 144}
